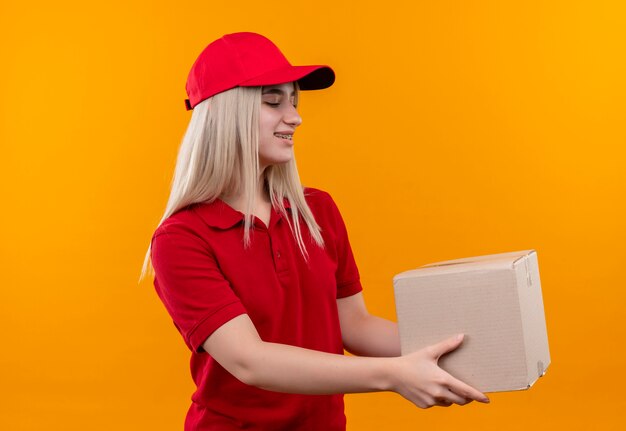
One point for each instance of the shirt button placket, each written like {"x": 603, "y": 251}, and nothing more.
{"x": 279, "y": 258}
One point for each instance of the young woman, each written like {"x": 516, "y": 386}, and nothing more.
{"x": 257, "y": 271}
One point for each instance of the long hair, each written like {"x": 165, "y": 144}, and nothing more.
{"x": 218, "y": 156}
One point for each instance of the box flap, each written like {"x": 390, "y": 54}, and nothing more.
{"x": 481, "y": 263}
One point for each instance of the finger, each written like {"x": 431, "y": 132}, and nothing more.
{"x": 445, "y": 346}
{"x": 444, "y": 403}
{"x": 425, "y": 402}
{"x": 466, "y": 391}
{"x": 448, "y": 403}
{"x": 455, "y": 398}
{"x": 446, "y": 396}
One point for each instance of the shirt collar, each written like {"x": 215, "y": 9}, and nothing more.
{"x": 219, "y": 214}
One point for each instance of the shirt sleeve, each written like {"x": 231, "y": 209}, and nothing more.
{"x": 190, "y": 284}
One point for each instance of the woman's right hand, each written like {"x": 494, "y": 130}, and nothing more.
{"x": 418, "y": 378}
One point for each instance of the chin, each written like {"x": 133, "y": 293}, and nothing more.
{"x": 275, "y": 163}
{"x": 277, "y": 160}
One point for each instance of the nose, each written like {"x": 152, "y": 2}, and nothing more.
{"x": 292, "y": 117}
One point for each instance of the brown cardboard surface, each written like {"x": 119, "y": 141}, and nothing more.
{"x": 495, "y": 301}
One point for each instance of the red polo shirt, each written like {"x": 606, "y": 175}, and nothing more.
{"x": 205, "y": 277}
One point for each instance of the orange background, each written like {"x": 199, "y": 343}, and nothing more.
{"x": 454, "y": 129}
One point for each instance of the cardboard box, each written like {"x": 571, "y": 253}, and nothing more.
{"x": 495, "y": 301}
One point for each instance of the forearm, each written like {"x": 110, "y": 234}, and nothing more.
{"x": 237, "y": 346}
{"x": 285, "y": 368}
{"x": 364, "y": 334}
{"x": 375, "y": 336}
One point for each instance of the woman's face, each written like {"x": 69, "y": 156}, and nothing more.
{"x": 278, "y": 121}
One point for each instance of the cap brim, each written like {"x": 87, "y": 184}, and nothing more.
{"x": 308, "y": 77}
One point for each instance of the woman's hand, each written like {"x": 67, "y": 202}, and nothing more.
{"x": 418, "y": 378}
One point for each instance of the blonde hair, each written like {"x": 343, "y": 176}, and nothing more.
{"x": 218, "y": 156}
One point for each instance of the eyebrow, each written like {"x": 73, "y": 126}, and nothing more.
{"x": 277, "y": 91}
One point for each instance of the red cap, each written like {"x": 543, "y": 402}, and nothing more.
{"x": 248, "y": 60}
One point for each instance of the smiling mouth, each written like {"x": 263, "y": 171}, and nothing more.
{"x": 280, "y": 135}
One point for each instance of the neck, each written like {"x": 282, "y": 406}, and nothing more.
{"x": 261, "y": 198}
